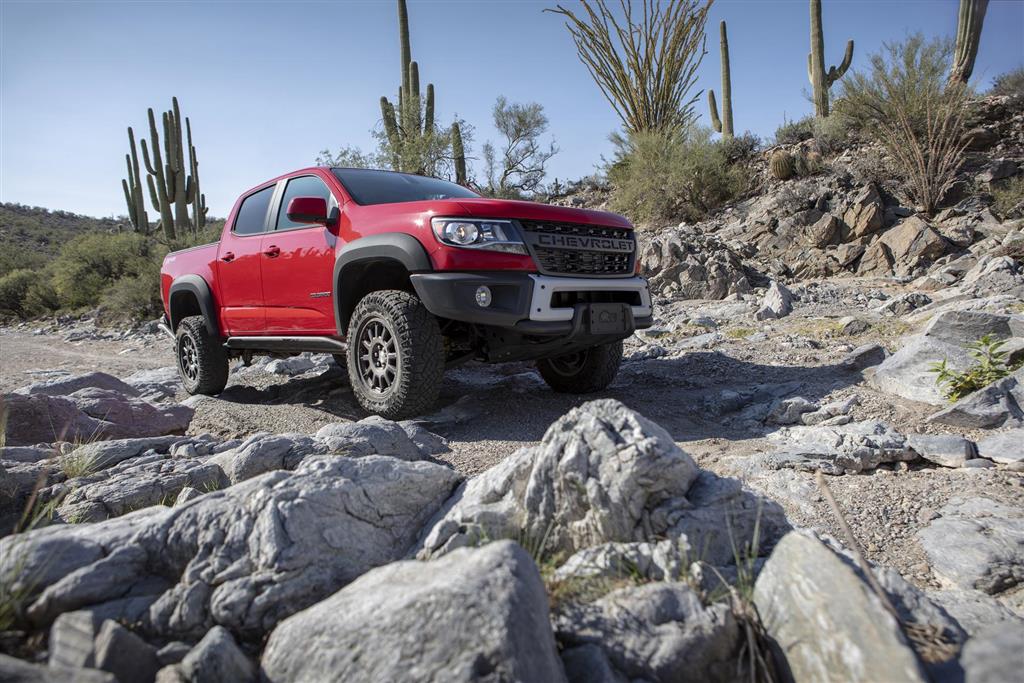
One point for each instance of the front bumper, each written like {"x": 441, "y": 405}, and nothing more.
{"x": 530, "y": 304}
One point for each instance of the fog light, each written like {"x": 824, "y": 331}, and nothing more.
{"x": 483, "y": 296}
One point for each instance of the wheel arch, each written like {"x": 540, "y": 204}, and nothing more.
{"x": 191, "y": 295}
{"x": 373, "y": 263}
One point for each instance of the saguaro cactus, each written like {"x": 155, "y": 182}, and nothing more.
{"x": 413, "y": 120}
{"x": 132, "y": 185}
{"x": 968, "y": 35}
{"x": 723, "y": 125}
{"x": 821, "y": 80}
{"x": 173, "y": 186}
{"x": 458, "y": 154}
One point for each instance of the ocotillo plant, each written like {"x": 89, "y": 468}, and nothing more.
{"x": 821, "y": 80}
{"x": 171, "y": 185}
{"x": 132, "y": 185}
{"x": 968, "y": 34}
{"x": 413, "y": 121}
{"x": 723, "y": 125}
{"x": 458, "y": 154}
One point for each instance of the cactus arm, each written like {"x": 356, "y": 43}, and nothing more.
{"x": 428, "y": 117}
{"x": 726, "y": 83}
{"x": 128, "y": 202}
{"x": 405, "y": 56}
{"x": 716, "y": 122}
{"x": 459, "y": 154}
{"x": 835, "y": 73}
{"x": 970, "y": 18}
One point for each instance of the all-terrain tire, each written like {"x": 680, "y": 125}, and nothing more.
{"x": 395, "y": 354}
{"x": 583, "y": 372}
{"x": 201, "y": 357}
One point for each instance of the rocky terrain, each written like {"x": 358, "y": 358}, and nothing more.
{"x": 774, "y": 488}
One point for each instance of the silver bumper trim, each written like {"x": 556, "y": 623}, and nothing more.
{"x": 544, "y": 286}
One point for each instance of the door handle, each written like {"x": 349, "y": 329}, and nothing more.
{"x": 272, "y": 251}
{"x": 228, "y": 257}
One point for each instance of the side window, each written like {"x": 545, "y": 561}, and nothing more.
{"x": 303, "y": 186}
{"x": 252, "y": 215}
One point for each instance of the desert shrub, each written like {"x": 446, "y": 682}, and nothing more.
{"x": 872, "y": 166}
{"x": 41, "y": 297}
{"x": 13, "y": 288}
{"x": 1009, "y": 83}
{"x": 659, "y": 176}
{"x": 19, "y": 259}
{"x": 89, "y": 264}
{"x": 740, "y": 147}
{"x": 989, "y": 366}
{"x": 793, "y": 132}
{"x": 134, "y": 298}
{"x": 1009, "y": 197}
{"x": 904, "y": 102}
{"x": 832, "y": 133}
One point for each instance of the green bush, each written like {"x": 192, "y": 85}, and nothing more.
{"x": 989, "y": 366}
{"x": 133, "y": 298}
{"x": 1009, "y": 197}
{"x": 89, "y": 264}
{"x": 13, "y": 288}
{"x": 658, "y": 176}
{"x": 1009, "y": 83}
{"x": 793, "y": 132}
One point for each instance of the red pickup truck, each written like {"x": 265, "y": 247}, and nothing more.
{"x": 403, "y": 276}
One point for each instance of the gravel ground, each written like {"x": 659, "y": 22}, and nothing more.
{"x": 488, "y": 412}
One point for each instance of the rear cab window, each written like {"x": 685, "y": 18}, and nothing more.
{"x": 252, "y": 214}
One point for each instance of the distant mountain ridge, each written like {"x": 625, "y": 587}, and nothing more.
{"x": 44, "y": 231}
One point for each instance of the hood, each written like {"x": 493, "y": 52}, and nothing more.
{"x": 510, "y": 208}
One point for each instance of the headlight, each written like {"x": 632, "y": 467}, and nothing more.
{"x": 475, "y": 233}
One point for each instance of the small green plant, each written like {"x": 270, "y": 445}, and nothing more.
{"x": 76, "y": 464}
{"x": 989, "y": 366}
{"x": 739, "y": 332}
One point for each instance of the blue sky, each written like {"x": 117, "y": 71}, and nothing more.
{"x": 269, "y": 84}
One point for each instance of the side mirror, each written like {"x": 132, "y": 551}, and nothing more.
{"x": 308, "y": 210}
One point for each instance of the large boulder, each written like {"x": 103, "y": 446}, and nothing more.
{"x": 824, "y": 619}
{"x": 976, "y": 543}
{"x": 602, "y": 473}
{"x": 693, "y": 266}
{"x": 67, "y": 384}
{"x": 995, "y": 655}
{"x": 87, "y": 415}
{"x": 913, "y": 243}
{"x": 244, "y": 557}
{"x": 777, "y": 303}
{"x": 865, "y": 213}
{"x": 654, "y": 632}
{"x": 1000, "y": 404}
{"x": 476, "y": 614}
{"x": 908, "y": 372}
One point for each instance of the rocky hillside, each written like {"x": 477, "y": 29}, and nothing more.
{"x": 38, "y": 230}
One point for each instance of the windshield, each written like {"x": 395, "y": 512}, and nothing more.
{"x": 384, "y": 187}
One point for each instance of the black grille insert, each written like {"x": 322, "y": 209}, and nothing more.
{"x": 609, "y": 261}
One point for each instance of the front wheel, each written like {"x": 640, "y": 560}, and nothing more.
{"x": 582, "y": 372}
{"x": 395, "y": 354}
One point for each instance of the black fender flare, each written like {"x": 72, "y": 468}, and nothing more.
{"x": 392, "y": 246}
{"x": 197, "y": 287}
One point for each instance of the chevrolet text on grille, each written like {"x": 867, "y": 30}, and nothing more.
{"x": 580, "y": 242}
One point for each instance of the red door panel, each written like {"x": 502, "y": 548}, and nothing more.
{"x": 297, "y": 268}
{"x": 241, "y": 286}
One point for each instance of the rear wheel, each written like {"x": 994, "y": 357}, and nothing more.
{"x": 396, "y": 355}
{"x": 582, "y": 372}
{"x": 202, "y": 358}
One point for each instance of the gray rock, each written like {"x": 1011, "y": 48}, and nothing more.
{"x": 589, "y": 664}
{"x": 826, "y": 413}
{"x": 371, "y": 435}
{"x": 851, "y": 326}
{"x": 27, "y": 454}
{"x": 134, "y": 484}
{"x": 157, "y": 384}
{"x": 62, "y": 386}
{"x": 296, "y": 365}
{"x": 973, "y": 610}
{"x": 602, "y": 473}
{"x": 661, "y": 561}
{"x": 942, "y": 449}
{"x": 1005, "y": 448}
{"x": 655, "y": 632}
{"x": 103, "y": 454}
{"x": 864, "y": 357}
{"x": 997, "y": 170}
{"x": 978, "y": 464}
{"x": 17, "y": 671}
{"x": 777, "y": 303}
{"x": 72, "y": 639}
{"x": 173, "y": 652}
{"x": 87, "y": 415}
{"x": 905, "y": 303}
{"x": 964, "y": 327}
{"x": 1000, "y": 404}
{"x": 262, "y": 453}
{"x": 186, "y": 494}
{"x": 994, "y": 655}
{"x": 908, "y": 372}
{"x": 976, "y": 543}
{"x": 824, "y": 619}
{"x": 243, "y": 557}
{"x": 839, "y": 449}
{"x": 217, "y": 658}
{"x": 124, "y": 654}
{"x": 476, "y": 614}
{"x": 788, "y": 411}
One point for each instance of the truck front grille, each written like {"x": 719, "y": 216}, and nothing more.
{"x": 580, "y": 249}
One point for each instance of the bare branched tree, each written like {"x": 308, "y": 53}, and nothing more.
{"x": 647, "y": 65}
{"x": 928, "y": 157}
{"x": 521, "y": 168}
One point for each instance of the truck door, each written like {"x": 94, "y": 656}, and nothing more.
{"x": 298, "y": 266}
{"x": 238, "y": 266}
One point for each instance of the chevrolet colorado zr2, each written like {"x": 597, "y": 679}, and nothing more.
{"x": 401, "y": 276}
